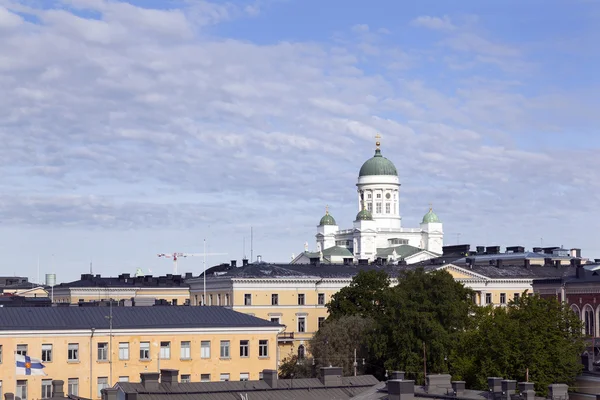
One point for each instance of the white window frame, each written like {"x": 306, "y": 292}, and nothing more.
{"x": 301, "y": 324}
{"x": 73, "y": 386}
{"x": 204, "y": 377}
{"x": 244, "y": 376}
{"x": 186, "y": 378}
{"x": 225, "y": 349}
{"x": 123, "y": 350}
{"x": 263, "y": 348}
{"x": 72, "y": 352}
{"x": 145, "y": 351}
{"x": 21, "y": 391}
{"x": 46, "y": 389}
{"x": 102, "y": 352}
{"x": 224, "y": 377}
{"x": 47, "y": 353}
{"x": 101, "y": 383}
{"x": 303, "y": 297}
{"x": 165, "y": 350}
{"x": 22, "y": 349}
{"x": 321, "y": 299}
{"x": 185, "y": 352}
{"x": 244, "y": 348}
{"x": 205, "y": 349}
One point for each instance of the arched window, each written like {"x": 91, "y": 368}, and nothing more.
{"x": 301, "y": 352}
{"x": 588, "y": 320}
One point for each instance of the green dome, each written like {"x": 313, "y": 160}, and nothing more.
{"x": 378, "y": 165}
{"x": 364, "y": 215}
{"x": 327, "y": 220}
{"x": 430, "y": 217}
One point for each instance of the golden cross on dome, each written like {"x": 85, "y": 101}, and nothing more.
{"x": 377, "y": 143}
{"x": 430, "y": 207}
{"x": 327, "y": 209}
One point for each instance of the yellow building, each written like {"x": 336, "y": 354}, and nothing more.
{"x": 292, "y": 295}
{"x": 78, "y": 345}
{"x": 296, "y": 295}
{"x": 141, "y": 290}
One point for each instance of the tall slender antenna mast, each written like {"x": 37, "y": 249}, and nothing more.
{"x": 251, "y": 245}
{"x": 244, "y": 252}
{"x": 204, "y": 274}
{"x": 37, "y": 282}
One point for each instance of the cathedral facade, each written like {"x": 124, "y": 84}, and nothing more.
{"x": 377, "y": 231}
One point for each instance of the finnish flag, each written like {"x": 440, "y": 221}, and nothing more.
{"x": 29, "y": 366}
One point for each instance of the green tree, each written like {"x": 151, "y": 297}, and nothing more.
{"x": 336, "y": 340}
{"x": 292, "y": 367}
{"x": 532, "y": 334}
{"x": 362, "y": 297}
{"x": 421, "y": 319}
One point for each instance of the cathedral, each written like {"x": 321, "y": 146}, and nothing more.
{"x": 377, "y": 233}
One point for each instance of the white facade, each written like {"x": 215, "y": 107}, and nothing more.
{"x": 379, "y": 226}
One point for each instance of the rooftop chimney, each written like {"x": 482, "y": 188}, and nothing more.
{"x": 499, "y": 263}
{"x": 397, "y": 376}
{"x": 244, "y": 262}
{"x": 527, "y": 263}
{"x": 169, "y": 376}
{"x": 234, "y": 263}
{"x": 150, "y": 380}
{"x": 527, "y": 390}
{"x": 401, "y": 390}
{"x": 495, "y": 385}
{"x": 558, "y": 391}
{"x": 458, "y": 387}
{"x": 109, "y": 393}
{"x": 270, "y": 377}
{"x": 508, "y": 388}
{"x": 331, "y": 376}
{"x": 189, "y": 275}
{"x": 438, "y": 384}
{"x": 58, "y": 388}
{"x": 525, "y": 386}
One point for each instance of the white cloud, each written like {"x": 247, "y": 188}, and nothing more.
{"x": 436, "y": 23}
{"x": 136, "y": 120}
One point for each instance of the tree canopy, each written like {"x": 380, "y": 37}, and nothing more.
{"x": 541, "y": 337}
{"x": 428, "y": 321}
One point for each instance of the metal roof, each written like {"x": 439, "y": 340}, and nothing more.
{"x": 295, "y": 271}
{"x": 298, "y": 389}
{"x": 56, "y": 318}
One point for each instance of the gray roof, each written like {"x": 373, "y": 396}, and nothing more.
{"x": 403, "y": 250}
{"x": 299, "y": 389}
{"x": 264, "y": 271}
{"x": 510, "y": 257}
{"x": 50, "y": 318}
{"x": 520, "y": 272}
{"x": 296, "y": 271}
{"x": 126, "y": 280}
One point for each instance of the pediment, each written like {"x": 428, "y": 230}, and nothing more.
{"x": 461, "y": 273}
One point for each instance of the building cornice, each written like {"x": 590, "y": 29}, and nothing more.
{"x": 149, "y": 331}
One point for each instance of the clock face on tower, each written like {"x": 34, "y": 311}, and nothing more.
{"x": 387, "y": 196}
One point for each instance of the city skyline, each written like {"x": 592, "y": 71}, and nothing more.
{"x": 139, "y": 128}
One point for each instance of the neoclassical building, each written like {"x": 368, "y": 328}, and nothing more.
{"x": 377, "y": 231}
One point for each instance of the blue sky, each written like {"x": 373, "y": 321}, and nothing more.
{"x": 137, "y": 128}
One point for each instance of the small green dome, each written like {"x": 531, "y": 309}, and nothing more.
{"x": 364, "y": 215}
{"x": 327, "y": 219}
{"x": 378, "y": 165}
{"x": 430, "y": 217}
